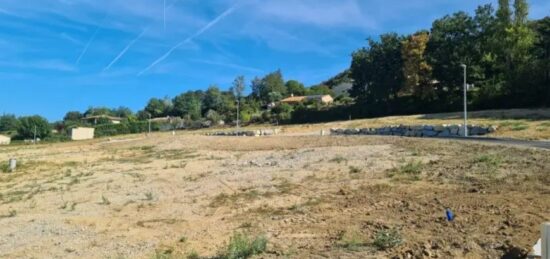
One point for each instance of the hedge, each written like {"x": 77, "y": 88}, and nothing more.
{"x": 125, "y": 128}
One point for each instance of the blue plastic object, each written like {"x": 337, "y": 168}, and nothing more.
{"x": 450, "y": 215}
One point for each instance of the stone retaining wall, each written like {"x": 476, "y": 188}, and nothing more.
{"x": 246, "y": 133}
{"x": 419, "y": 131}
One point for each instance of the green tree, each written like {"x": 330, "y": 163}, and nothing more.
{"x": 452, "y": 43}
{"x": 123, "y": 112}
{"x": 158, "y": 107}
{"x": 213, "y": 99}
{"x": 296, "y": 88}
{"x": 377, "y": 71}
{"x": 8, "y": 122}
{"x": 238, "y": 87}
{"x": 188, "y": 105}
{"x": 282, "y": 112}
{"x": 319, "y": 90}
{"x": 541, "y": 65}
{"x": 416, "y": 70}
{"x": 275, "y": 97}
{"x": 30, "y": 125}
{"x": 272, "y": 82}
{"x": 73, "y": 116}
{"x": 97, "y": 111}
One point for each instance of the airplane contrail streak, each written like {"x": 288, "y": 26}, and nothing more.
{"x": 188, "y": 39}
{"x": 123, "y": 52}
{"x": 126, "y": 49}
{"x": 88, "y": 45}
{"x": 85, "y": 50}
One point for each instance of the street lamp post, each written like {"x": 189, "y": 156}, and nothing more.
{"x": 465, "y": 102}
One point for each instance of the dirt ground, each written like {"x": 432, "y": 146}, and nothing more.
{"x": 310, "y": 196}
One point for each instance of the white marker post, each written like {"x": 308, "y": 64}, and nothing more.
{"x": 545, "y": 232}
{"x": 12, "y": 164}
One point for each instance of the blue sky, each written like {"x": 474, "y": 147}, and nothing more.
{"x": 61, "y": 55}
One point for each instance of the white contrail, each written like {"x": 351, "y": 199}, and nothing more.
{"x": 135, "y": 41}
{"x": 88, "y": 45}
{"x": 126, "y": 49}
{"x": 188, "y": 39}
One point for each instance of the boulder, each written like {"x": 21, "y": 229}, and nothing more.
{"x": 445, "y": 134}
{"x": 439, "y": 128}
{"x": 429, "y": 133}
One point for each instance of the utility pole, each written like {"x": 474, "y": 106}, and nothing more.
{"x": 465, "y": 102}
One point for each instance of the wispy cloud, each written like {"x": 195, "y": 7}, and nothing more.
{"x": 70, "y": 38}
{"x": 190, "y": 38}
{"x": 48, "y": 64}
{"x": 229, "y": 65}
{"x": 339, "y": 13}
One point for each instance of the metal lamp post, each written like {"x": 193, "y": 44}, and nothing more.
{"x": 465, "y": 102}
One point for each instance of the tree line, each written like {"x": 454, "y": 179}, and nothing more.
{"x": 213, "y": 105}
{"x": 506, "y": 54}
{"x": 507, "y": 58}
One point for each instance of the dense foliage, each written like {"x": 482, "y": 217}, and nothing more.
{"x": 31, "y": 126}
{"x": 507, "y": 59}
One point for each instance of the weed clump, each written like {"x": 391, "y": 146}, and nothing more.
{"x": 242, "y": 246}
{"x": 386, "y": 239}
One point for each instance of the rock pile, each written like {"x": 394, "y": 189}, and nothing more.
{"x": 246, "y": 133}
{"x": 419, "y": 131}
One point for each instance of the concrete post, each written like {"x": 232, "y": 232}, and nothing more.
{"x": 12, "y": 164}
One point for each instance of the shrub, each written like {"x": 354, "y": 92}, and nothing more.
{"x": 125, "y": 128}
{"x": 411, "y": 168}
{"x": 28, "y": 126}
{"x": 241, "y": 246}
{"x": 385, "y": 239}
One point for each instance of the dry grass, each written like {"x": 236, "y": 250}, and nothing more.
{"x": 531, "y": 124}
{"x": 311, "y": 196}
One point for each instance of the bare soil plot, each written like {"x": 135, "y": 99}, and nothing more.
{"x": 309, "y": 196}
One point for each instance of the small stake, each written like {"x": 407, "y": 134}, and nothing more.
{"x": 12, "y": 165}
{"x": 449, "y": 214}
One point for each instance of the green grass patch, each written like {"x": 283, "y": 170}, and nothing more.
{"x": 351, "y": 240}
{"x": 242, "y": 246}
{"x": 387, "y": 238}
{"x": 514, "y": 125}
{"x": 488, "y": 163}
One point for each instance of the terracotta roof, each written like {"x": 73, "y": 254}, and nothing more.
{"x": 294, "y": 99}
{"x": 102, "y": 116}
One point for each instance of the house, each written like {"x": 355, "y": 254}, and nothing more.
{"x": 95, "y": 119}
{"x": 4, "y": 140}
{"x": 81, "y": 133}
{"x": 323, "y": 99}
